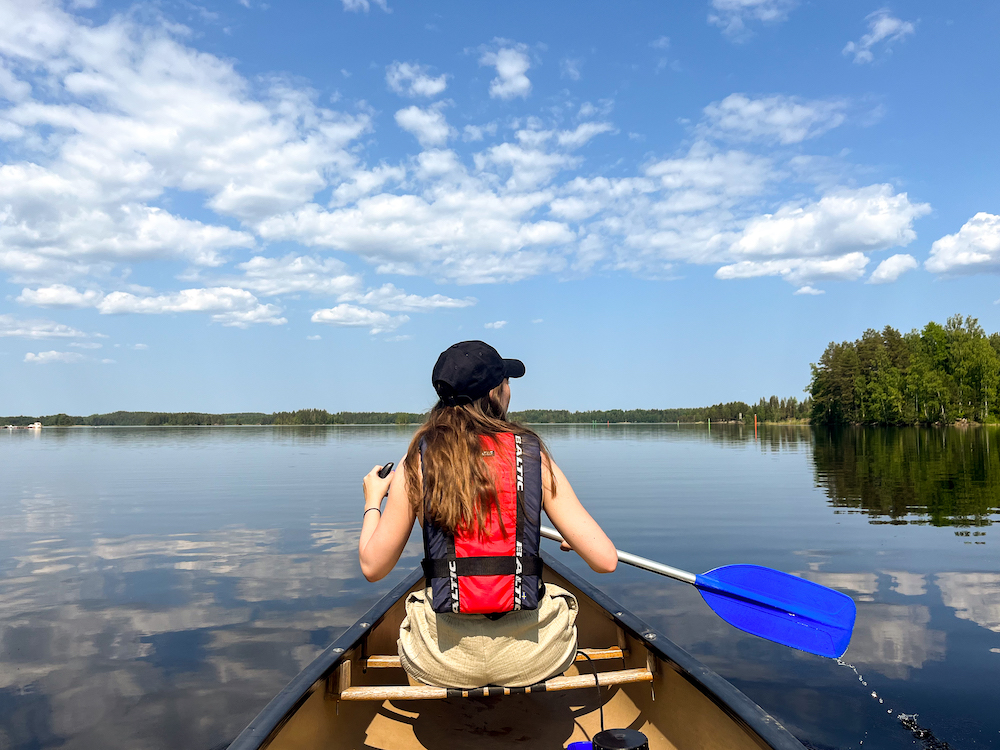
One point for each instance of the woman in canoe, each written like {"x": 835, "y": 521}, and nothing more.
{"x": 477, "y": 484}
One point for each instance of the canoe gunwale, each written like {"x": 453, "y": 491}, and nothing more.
{"x": 725, "y": 695}
{"x": 296, "y": 692}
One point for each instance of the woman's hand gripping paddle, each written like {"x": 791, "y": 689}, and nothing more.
{"x": 777, "y": 606}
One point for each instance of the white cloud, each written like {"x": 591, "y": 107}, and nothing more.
{"x": 59, "y": 295}
{"x": 496, "y": 325}
{"x": 529, "y": 167}
{"x": 583, "y": 133}
{"x": 106, "y": 118}
{"x": 359, "y": 317}
{"x": 428, "y": 125}
{"x": 297, "y": 273}
{"x": 772, "y": 119}
{"x": 662, "y": 42}
{"x": 472, "y": 133}
{"x": 356, "y": 6}
{"x": 680, "y": 210}
{"x": 705, "y": 176}
{"x": 140, "y": 347}
{"x": 808, "y": 290}
{"x": 975, "y": 248}
{"x": 892, "y": 268}
{"x": 86, "y": 345}
{"x": 826, "y": 240}
{"x": 602, "y": 108}
{"x": 462, "y": 233}
{"x": 11, "y": 327}
{"x": 439, "y": 168}
{"x": 412, "y": 79}
{"x": 732, "y": 15}
{"x": 866, "y": 219}
{"x": 49, "y": 216}
{"x": 28, "y": 267}
{"x": 44, "y": 358}
{"x": 799, "y": 271}
{"x": 314, "y": 338}
{"x": 388, "y": 297}
{"x": 365, "y": 182}
{"x": 511, "y": 62}
{"x": 569, "y": 67}
{"x": 229, "y": 306}
{"x": 882, "y": 27}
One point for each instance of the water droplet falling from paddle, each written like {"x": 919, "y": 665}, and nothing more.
{"x": 909, "y": 721}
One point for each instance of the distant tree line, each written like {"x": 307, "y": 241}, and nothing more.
{"x": 941, "y": 374}
{"x": 767, "y": 410}
{"x": 156, "y": 419}
{"x": 773, "y": 409}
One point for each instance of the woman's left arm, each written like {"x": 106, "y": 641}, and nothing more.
{"x": 384, "y": 534}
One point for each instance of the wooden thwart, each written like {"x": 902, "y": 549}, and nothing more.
{"x": 597, "y": 654}
{"x": 426, "y": 692}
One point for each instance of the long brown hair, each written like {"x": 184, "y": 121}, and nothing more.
{"x": 458, "y": 487}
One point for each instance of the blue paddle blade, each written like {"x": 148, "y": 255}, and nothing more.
{"x": 780, "y": 607}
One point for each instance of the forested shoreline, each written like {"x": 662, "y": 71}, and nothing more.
{"x": 766, "y": 410}
{"x": 941, "y": 374}
{"x": 773, "y": 409}
{"x": 191, "y": 419}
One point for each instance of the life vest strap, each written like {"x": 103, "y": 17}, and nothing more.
{"x": 531, "y": 565}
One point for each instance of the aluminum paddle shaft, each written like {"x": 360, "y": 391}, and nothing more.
{"x": 640, "y": 562}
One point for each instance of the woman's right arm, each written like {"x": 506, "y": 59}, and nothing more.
{"x": 383, "y": 535}
{"x": 572, "y": 520}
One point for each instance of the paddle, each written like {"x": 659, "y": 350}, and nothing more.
{"x": 777, "y": 606}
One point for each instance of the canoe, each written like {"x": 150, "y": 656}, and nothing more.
{"x": 355, "y": 695}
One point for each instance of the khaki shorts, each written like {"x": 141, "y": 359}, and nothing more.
{"x": 469, "y": 651}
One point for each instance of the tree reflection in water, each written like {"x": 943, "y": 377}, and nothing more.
{"x": 938, "y": 476}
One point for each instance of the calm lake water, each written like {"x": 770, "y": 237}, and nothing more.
{"x": 159, "y": 585}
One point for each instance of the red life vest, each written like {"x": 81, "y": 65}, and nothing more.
{"x": 492, "y": 573}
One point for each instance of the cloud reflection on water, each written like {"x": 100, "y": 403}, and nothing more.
{"x": 973, "y": 596}
{"x": 893, "y": 639}
{"x": 129, "y": 631}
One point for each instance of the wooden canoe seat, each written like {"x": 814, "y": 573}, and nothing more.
{"x": 339, "y": 682}
{"x": 597, "y": 654}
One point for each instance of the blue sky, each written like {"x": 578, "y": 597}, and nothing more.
{"x": 237, "y": 205}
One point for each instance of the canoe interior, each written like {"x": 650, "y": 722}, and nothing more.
{"x": 672, "y": 710}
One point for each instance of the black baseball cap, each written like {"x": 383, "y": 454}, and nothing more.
{"x": 469, "y": 370}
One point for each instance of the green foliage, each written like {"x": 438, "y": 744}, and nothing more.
{"x": 941, "y": 374}
{"x": 321, "y": 416}
{"x": 174, "y": 419}
{"x": 767, "y": 410}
